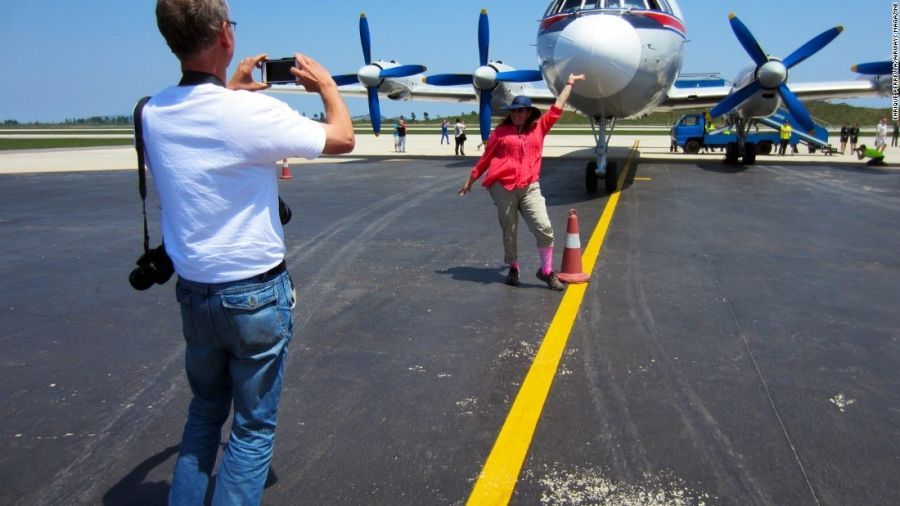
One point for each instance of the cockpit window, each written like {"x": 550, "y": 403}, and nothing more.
{"x": 566, "y": 6}
{"x": 571, "y": 5}
{"x": 554, "y": 7}
{"x": 634, "y": 4}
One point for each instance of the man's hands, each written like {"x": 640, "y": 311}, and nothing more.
{"x": 243, "y": 75}
{"x": 311, "y": 74}
{"x": 339, "y": 136}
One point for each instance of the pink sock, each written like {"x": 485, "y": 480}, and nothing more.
{"x": 546, "y": 259}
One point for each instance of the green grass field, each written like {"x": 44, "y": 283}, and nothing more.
{"x": 7, "y": 144}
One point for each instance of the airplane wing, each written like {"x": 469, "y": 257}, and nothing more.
{"x": 707, "y": 97}
{"x": 425, "y": 92}
{"x": 541, "y": 97}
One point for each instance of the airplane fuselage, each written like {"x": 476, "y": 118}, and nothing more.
{"x": 630, "y": 56}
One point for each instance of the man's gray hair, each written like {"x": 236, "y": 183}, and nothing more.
{"x": 190, "y": 26}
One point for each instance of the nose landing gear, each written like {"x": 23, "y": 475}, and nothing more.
{"x": 610, "y": 177}
{"x": 601, "y": 167}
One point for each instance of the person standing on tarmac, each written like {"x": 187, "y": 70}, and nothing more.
{"x": 845, "y": 133}
{"x": 396, "y": 137}
{"x": 854, "y": 136}
{"x": 459, "y": 136}
{"x": 512, "y": 161}
{"x": 445, "y": 131}
{"x": 881, "y": 135}
{"x": 401, "y": 134}
{"x": 209, "y": 148}
{"x": 785, "y": 137}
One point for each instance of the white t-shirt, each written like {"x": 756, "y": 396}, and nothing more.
{"x": 212, "y": 153}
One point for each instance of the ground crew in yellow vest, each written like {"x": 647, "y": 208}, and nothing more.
{"x": 785, "y": 137}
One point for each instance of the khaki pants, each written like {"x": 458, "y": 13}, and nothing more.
{"x": 530, "y": 203}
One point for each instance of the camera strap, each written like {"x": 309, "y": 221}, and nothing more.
{"x": 142, "y": 174}
{"x": 189, "y": 78}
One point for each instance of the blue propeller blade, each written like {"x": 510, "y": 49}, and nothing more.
{"x": 735, "y": 99}
{"x": 520, "y": 76}
{"x": 747, "y": 40}
{"x": 365, "y": 38}
{"x": 344, "y": 79}
{"x": 812, "y": 47}
{"x": 484, "y": 115}
{"x": 484, "y": 38}
{"x": 449, "y": 79}
{"x": 374, "y": 110}
{"x": 875, "y": 68}
{"x": 402, "y": 71}
{"x": 796, "y": 108}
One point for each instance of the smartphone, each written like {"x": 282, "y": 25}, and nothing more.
{"x": 279, "y": 71}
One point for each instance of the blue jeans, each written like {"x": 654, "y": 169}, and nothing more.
{"x": 237, "y": 336}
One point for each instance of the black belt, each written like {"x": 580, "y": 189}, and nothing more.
{"x": 271, "y": 273}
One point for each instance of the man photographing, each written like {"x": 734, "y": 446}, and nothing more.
{"x": 210, "y": 149}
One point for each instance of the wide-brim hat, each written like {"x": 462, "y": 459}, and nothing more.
{"x": 519, "y": 102}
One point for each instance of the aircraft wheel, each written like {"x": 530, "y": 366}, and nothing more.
{"x": 749, "y": 153}
{"x": 612, "y": 177}
{"x": 590, "y": 177}
{"x": 731, "y": 152}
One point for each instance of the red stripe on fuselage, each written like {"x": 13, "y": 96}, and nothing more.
{"x": 663, "y": 19}
{"x": 546, "y": 22}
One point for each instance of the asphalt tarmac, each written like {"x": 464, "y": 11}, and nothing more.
{"x": 737, "y": 344}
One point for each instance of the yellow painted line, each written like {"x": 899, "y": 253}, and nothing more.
{"x": 501, "y": 470}
{"x": 643, "y": 179}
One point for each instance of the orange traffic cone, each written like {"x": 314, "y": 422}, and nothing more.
{"x": 286, "y": 170}
{"x": 570, "y": 272}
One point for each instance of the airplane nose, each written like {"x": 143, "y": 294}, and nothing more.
{"x": 605, "y": 48}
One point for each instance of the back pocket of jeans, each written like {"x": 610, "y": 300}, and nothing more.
{"x": 254, "y": 317}
{"x": 250, "y": 300}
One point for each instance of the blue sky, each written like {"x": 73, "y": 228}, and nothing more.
{"x": 74, "y": 59}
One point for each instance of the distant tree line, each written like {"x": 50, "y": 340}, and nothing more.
{"x": 120, "y": 120}
{"x": 101, "y": 121}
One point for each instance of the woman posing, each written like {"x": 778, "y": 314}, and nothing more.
{"x": 512, "y": 161}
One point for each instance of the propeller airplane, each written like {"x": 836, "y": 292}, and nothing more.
{"x": 631, "y": 52}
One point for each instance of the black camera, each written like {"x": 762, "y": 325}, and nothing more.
{"x": 279, "y": 71}
{"x": 154, "y": 266}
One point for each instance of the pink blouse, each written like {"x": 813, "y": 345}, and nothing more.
{"x": 514, "y": 159}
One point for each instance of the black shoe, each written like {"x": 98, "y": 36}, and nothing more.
{"x": 552, "y": 281}
{"x": 512, "y": 277}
